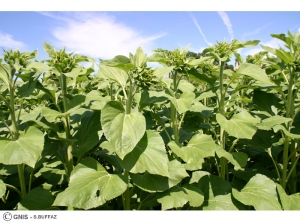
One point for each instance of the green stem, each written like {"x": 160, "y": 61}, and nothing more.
{"x": 30, "y": 181}
{"x": 173, "y": 112}
{"x": 22, "y": 179}
{"x": 126, "y": 195}
{"x": 224, "y": 162}
{"x": 66, "y": 122}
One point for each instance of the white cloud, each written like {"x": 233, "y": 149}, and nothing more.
{"x": 256, "y": 31}
{"x": 199, "y": 28}
{"x": 7, "y": 41}
{"x": 227, "y": 22}
{"x": 99, "y": 35}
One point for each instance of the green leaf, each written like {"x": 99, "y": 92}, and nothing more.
{"x": 264, "y": 101}
{"x": 241, "y": 125}
{"x": 2, "y": 188}
{"x": 140, "y": 58}
{"x": 148, "y": 155}
{"x": 221, "y": 202}
{"x": 199, "y": 77}
{"x": 115, "y": 74}
{"x": 239, "y": 160}
{"x": 288, "y": 202}
{"x": 91, "y": 186}
{"x": 259, "y": 192}
{"x": 184, "y": 102}
{"x": 27, "y": 149}
{"x": 296, "y": 124}
{"x": 199, "y": 147}
{"x": 178, "y": 196}
{"x": 156, "y": 183}
{"x": 26, "y": 88}
{"x": 162, "y": 71}
{"x": 123, "y": 130}
{"x": 4, "y": 74}
{"x": 269, "y": 49}
{"x": 287, "y": 57}
{"x": 284, "y": 130}
{"x": 186, "y": 86}
{"x": 254, "y": 72}
{"x": 38, "y": 66}
{"x": 49, "y": 49}
{"x": 37, "y": 199}
{"x": 270, "y": 122}
{"x": 87, "y": 135}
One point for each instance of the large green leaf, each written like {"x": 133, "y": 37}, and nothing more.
{"x": 156, "y": 183}
{"x": 241, "y": 125}
{"x": 148, "y": 155}
{"x": 122, "y": 130}
{"x": 37, "y": 199}
{"x": 221, "y": 202}
{"x": 239, "y": 160}
{"x": 217, "y": 192}
{"x": 259, "y": 192}
{"x": 87, "y": 135}
{"x": 4, "y": 74}
{"x": 2, "y": 188}
{"x": 140, "y": 58}
{"x": 162, "y": 71}
{"x": 255, "y": 72}
{"x": 27, "y": 149}
{"x": 91, "y": 186}
{"x": 115, "y": 74}
{"x": 199, "y": 147}
{"x": 178, "y": 196}
{"x": 264, "y": 101}
{"x": 184, "y": 102}
{"x": 270, "y": 122}
{"x": 288, "y": 202}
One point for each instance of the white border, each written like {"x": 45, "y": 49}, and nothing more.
{"x": 149, "y": 5}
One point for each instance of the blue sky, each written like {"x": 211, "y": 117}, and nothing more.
{"x": 105, "y": 34}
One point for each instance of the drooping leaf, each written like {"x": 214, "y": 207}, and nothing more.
{"x": 186, "y": 86}
{"x": 268, "y": 123}
{"x": 2, "y": 188}
{"x": 255, "y": 72}
{"x": 87, "y": 135}
{"x": 27, "y": 149}
{"x": 37, "y": 199}
{"x": 264, "y": 101}
{"x": 221, "y": 202}
{"x": 184, "y": 102}
{"x": 284, "y": 130}
{"x": 296, "y": 124}
{"x": 91, "y": 186}
{"x": 162, "y": 71}
{"x": 123, "y": 130}
{"x": 239, "y": 160}
{"x": 288, "y": 202}
{"x": 259, "y": 192}
{"x": 148, "y": 155}
{"x": 178, "y": 196}
{"x": 4, "y": 74}
{"x": 156, "y": 183}
{"x": 199, "y": 147}
{"x": 241, "y": 125}
{"x": 115, "y": 74}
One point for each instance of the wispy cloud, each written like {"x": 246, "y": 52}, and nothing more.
{"x": 99, "y": 35}
{"x": 227, "y": 22}
{"x": 256, "y": 31}
{"x": 199, "y": 28}
{"x": 7, "y": 41}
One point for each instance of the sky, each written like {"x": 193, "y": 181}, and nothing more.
{"x": 103, "y": 34}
